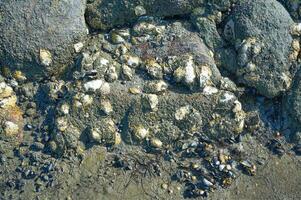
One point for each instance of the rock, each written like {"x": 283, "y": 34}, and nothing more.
{"x": 106, "y": 107}
{"x": 140, "y": 132}
{"x": 188, "y": 119}
{"x": 293, "y": 7}
{"x": 98, "y": 85}
{"x": 106, "y": 14}
{"x": 38, "y": 37}
{"x": 105, "y": 132}
{"x": 155, "y": 142}
{"x": 155, "y": 87}
{"x": 260, "y": 31}
{"x": 150, "y": 102}
{"x": 11, "y": 129}
{"x": 293, "y": 102}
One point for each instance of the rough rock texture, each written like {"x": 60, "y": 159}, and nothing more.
{"x": 293, "y": 101}
{"x": 293, "y": 7}
{"x": 105, "y": 14}
{"x": 179, "y": 91}
{"x": 260, "y": 31}
{"x": 39, "y": 35}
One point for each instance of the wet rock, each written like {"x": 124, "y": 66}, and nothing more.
{"x": 293, "y": 102}
{"x": 260, "y": 32}
{"x": 150, "y": 102}
{"x": 293, "y": 7}
{"x": 107, "y": 14}
{"x": 105, "y": 133}
{"x": 189, "y": 118}
{"x": 51, "y": 29}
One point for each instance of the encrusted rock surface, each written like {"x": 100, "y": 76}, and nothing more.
{"x": 260, "y": 32}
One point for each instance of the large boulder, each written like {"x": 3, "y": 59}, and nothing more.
{"x": 38, "y": 37}
{"x": 105, "y": 14}
{"x": 260, "y": 32}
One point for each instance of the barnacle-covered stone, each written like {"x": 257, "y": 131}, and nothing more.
{"x": 189, "y": 119}
{"x": 154, "y": 69}
{"x": 105, "y": 132}
{"x": 260, "y": 31}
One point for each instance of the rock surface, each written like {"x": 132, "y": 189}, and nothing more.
{"x": 105, "y": 14}
{"x": 260, "y": 32}
{"x": 37, "y": 37}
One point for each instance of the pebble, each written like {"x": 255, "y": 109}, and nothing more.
{"x": 150, "y": 102}
{"x": 78, "y": 47}
{"x": 45, "y": 57}
{"x": 11, "y": 129}
{"x": 140, "y": 132}
{"x": 155, "y": 142}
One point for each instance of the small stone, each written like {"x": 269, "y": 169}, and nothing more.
{"x": 5, "y": 90}
{"x": 135, "y": 90}
{"x": 188, "y": 119}
{"x": 140, "y": 10}
{"x": 155, "y": 142}
{"x": 154, "y": 69}
{"x": 78, "y": 47}
{"x": 19, "y": 76}
{"x": 30, "y": 112}
{"x": 93, "y": 85}
{"x": 65, "y": 109}
{"x": 164, "y": 186}
{"x": 132, "y": 61}
{"x": 140, "y": 132}
{"x": 11, "y": 129}
{"x": 95, "y": 135}
{"x": 8, "y": 102}
{"x": 156, "y": 87}
{"x": 127, "y": 72}
{"x": 86, "y": 100}
{"x": 205, "y": 76}
{"x": 116, "y": 38}
{"x": 45, "y": 57}
{"x": 150, "y": 102}
{"x": 118, "y": 139}
{"x": 62, "y": 124}
{"x": 207, "y": 182}
{"x": 111, "y": 74}
{"x": 106, "y": 107}
{"x": 296, "y": 29}
{"x": 209, "y": 90}
{"x": 105, "y": 132}
{"x": 105, "y": 89}
{"x": 182, "y": 112}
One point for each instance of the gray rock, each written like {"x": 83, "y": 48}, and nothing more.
{"x": 260, "y": 31}
{"x": 293, "y": 102}
{"x": 105, "y": 14}
{"x": 38, "y": 37}
{"x": 293, "y": 7}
